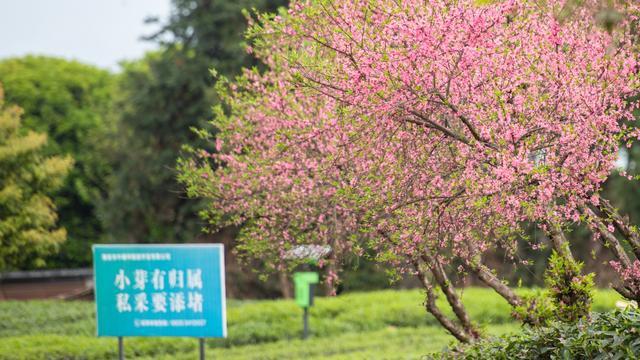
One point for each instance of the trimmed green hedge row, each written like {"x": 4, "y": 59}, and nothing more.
{"x": 271, "y": 320}
{"x": 66, "y": 330}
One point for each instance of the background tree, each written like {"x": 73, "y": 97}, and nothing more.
{"x": 70, "y": 103}
{"x": 28, "y": 229}
{"x": 161, "y": 98}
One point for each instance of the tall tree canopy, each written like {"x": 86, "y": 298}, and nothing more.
{"x": 28, "y": 220}
{"x": 429, "y": 132}
{"x": 70, "y": 102}
{"x": 163, "y": 97}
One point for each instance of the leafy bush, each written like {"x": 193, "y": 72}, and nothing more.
{"x": 612, "y": 335}
{"x": 571, "y": 292}
{"x": 568, "y": 295}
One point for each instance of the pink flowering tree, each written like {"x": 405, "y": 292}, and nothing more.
{"x": 428, "y": 132}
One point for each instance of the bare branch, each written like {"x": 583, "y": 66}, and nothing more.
{"x": 608, "y": 237}
{"x": 465, "y": 121}
{"x": 622, "y": 224}
{"x": 559, "y": 241}
{"x": 424, "y": 120}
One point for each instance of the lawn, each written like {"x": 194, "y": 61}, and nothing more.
{"x": 382, "y": 324}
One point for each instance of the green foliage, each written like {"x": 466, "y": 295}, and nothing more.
{"x": 157, "y": 103}
{"x": 568, "y": 295}
{"x": 387, "y": 324}
{"x": 611, "y": 335}
{"x": 69, "y": 102}
{"x": 536, "y": 310}
{"x": 270, "y": 320}
{"x": 388, "y": 343}
{"x": 28, "y": 231}
{"x": 163, "y": 97}
{"x": 358, "y": 325}
{"x": 344, "y": 313}
{"x": 210, "y": 33}
{"x": 570, "y": 292}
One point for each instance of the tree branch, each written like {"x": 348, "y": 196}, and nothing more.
{"x": 454, "y": 300}
{"x": 465, "y": 121}
{"x": 425, "y": 121}
{"x": 491, "y": 280}
{"x": 621, "y": 224}
{"x": 559, "y": 241}
{"x": 432, "y": 308}
{"x": 608, "y": 237}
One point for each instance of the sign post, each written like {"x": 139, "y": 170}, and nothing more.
{"x": 160, "y": 290}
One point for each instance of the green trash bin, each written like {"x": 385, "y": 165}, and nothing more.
{"x": 304, "y": 283}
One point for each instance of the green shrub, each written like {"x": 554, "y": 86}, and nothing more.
{"x": 568, "y": 295}
{"x": 571, "y": 293}
{"x": 612, "y": 335}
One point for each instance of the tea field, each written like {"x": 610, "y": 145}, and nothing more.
{"x": 375, "y": 325}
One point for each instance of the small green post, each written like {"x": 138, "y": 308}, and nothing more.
{"x": 304, "y": 284}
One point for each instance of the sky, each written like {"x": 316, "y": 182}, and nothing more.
{"x": 97, "y": 32}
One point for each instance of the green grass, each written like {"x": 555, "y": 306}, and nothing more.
{"x": 382, "y": 324}
{"x": 388, "y": 343}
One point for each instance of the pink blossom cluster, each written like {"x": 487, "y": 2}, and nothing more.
{"x": 413, "y": 126}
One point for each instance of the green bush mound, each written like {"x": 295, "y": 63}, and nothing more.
{"x": 611, "y": 335}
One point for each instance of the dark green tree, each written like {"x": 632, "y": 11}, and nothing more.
{"x": 69, "y": 102}
{"x": 162, "y": 97}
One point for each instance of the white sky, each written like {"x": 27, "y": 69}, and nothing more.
{"x": 97, "y": 32}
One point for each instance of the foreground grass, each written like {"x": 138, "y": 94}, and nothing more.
{"x": 388, "y": 343}
{"x": 375, "y": 325}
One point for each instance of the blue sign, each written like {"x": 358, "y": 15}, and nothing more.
{"x": 160, "y": 290}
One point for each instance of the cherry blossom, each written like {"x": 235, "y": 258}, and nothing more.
{"x": 428, "y": 132}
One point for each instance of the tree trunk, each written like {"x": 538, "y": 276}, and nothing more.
{"x": 559, "y": 241}
{"x": 430, "y": 304}
{"x": 285, "y": 285}
{"x": 452, "y": 298}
